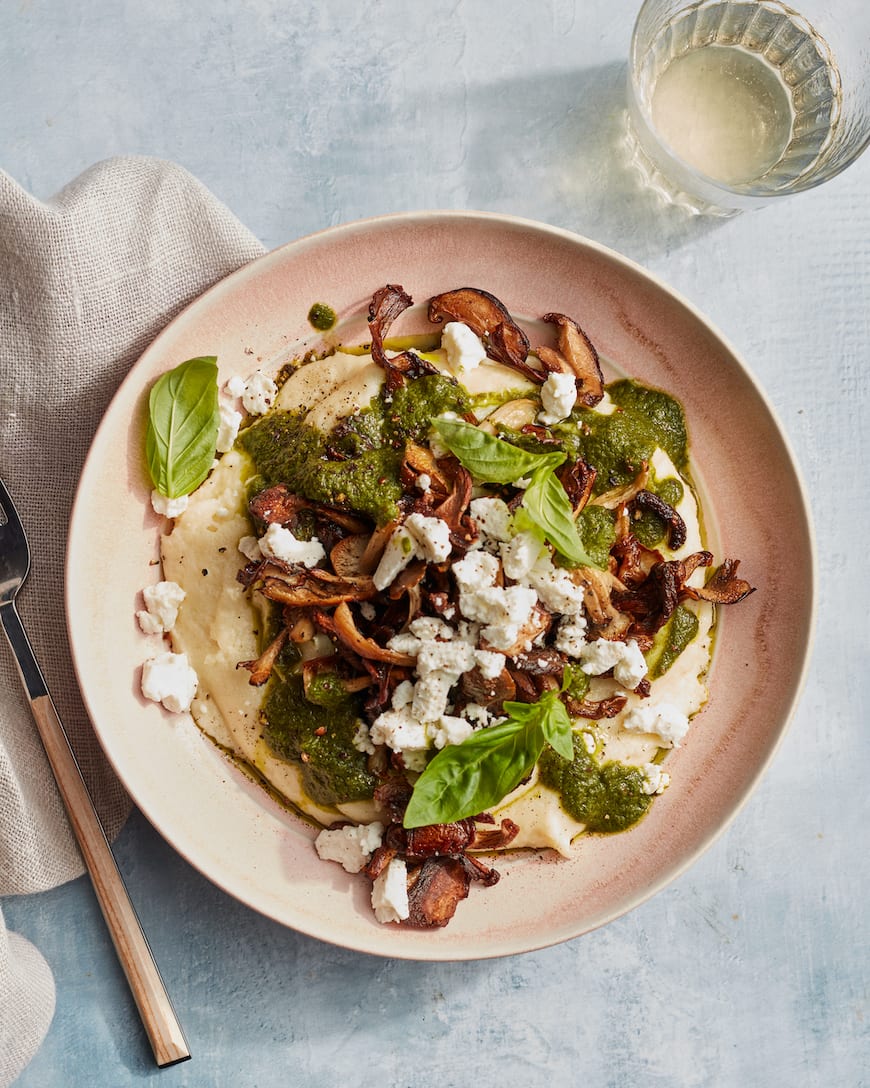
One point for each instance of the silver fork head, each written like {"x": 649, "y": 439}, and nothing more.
{"x": 14, "y": 551}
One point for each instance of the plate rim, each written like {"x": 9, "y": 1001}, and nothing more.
{"x": 434, "y": 952}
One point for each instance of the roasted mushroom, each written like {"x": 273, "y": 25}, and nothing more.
{"x": 576, "y": 356}
{"x": 486, "y": 316}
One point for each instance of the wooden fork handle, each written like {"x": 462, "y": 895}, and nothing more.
{"x": 149, "y": 992}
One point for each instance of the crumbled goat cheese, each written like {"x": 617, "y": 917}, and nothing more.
{"x": 161, "y": 607}
{"x": 555, "y": 586}
{"x": 400, "y": 550}
{"x": 431, "y": 537}
{"x": 420, "y": 537}
{"x": 558, "y": 397}
{"x": 399, "y": 729}
{"x": 492, "y": 517}
{"x": 655, "y": 779}
{"x": 280, "y": 543}
{"x": 351, "y": 847}
{"x": 228, "y": 428}
{"x": 170, "y": 508}
{"x": 169, "y": 679}
{"x": 367, "y": 610}
{"x": 428, "y": 627}
{"x": 478, "y": 715}
{"x": 475, "y": 570}
{"x": 450, "y": 730}
{"x": 489, "y": 663}
{"x": 502, "y": 611}
{"x": 520, "y": 554}
{"x": 660, "y": 720}
{"x": 362, "y": 740}
{"x": 249, "y": 546}
{"x": 450, "y": 657}
{"x": 390, "y": 893}
{"x": 571, "y": 635}
{"x": 423, "y": 482}
{"x": 259, "y": 394}
{"x": 625, "y": 658}
{"x": 464, "y": 348}
{"x": 430, "y": 696}
{"x": 235, "y": 387}
{"x": 589, "y": 743}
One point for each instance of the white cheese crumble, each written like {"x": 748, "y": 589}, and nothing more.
{"x": 423, "y": 482}
{"x": 520, "y": 554}
{"x": 399, "y": 729}
{"x": 655, "y": 779}
{"x": 228, "y": 428}
{"x": 258, "y": 393}
{"x": 660, "y": 720}
{"x": 450, "y": 730}
{"x": 390, "y": 893}
{"x": 352, "y": 846}
{"x": 170, "y": 508}
{"x": 280, "y": 543}
{"x": 161, "y": 607}
{"x": 492, "y": 518}
{"x": 571, "y": 635}
{"x": 625, "y": 658}
{"x": 420, "y": 537}
{"x": 431, "y": 537}
{"x": 464, "y": 348}
{"x": 169, "y": 679}
{"x": 558, "y": 397}
{"x": 503, "y": 612}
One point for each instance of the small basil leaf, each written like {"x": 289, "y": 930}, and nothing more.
{"x": 183, "y": 419}
{"x": 547, "y": 504}
{"x": 489, "y": 458}
{"x": 556, "y": 725}
{"x": 467, "y": 778}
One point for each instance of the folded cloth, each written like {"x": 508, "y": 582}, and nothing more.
{"x": 87, "y": 279}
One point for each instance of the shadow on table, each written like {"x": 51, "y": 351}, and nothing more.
{"x": 558, "y": 143}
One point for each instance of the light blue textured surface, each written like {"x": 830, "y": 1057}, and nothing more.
{"x": 752, "y": 968}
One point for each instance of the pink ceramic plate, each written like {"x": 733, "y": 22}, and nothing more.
{"x": 230, "y": 829}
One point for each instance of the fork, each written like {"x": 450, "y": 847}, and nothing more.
{"x": 149, "y": 992}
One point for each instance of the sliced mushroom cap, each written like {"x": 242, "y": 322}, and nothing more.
{"x": 724, "y": 587}
{"x": 346, "y": 556}
{"x": 435, "y": 889}
{"x": 386, "y": 305}
{"x": 302, "y": 588}
{"x": 648, "y": 500}
{"x": 595, "y": 711}
{"x": 343, "y": 626}
{"x": 261, "y": 668}
{"x": 487, "y": 693}
{"x": 422, "y": 461}
{"x": 616, "y": 496}
{"x": 578, "y": 356}
{"x": 514, "y": 414}
{"x": 578, "y": 479}
{"x": 489, "y": 318}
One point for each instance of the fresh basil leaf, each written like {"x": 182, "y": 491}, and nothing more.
{"x": 488, "y": 458}
{"x": 183, "y": 418}
{"x": 547, "y": 504}
{"x": 549, "y": 716}
{"x": 467, "y": 778}
{"x": 556, "y": 725}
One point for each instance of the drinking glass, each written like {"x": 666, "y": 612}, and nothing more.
{"x": 735, "y": 102}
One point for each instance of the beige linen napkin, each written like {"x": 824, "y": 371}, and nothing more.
{"x": 87, "y": 279}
